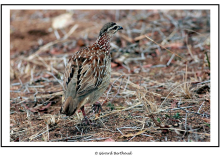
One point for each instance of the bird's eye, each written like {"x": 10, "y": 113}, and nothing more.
{"x": 114, "y": 28}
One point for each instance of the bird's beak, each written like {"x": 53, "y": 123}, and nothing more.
{"x": 120, "y": 28}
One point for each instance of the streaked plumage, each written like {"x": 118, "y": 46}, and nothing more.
{"x": 88, "y": 71}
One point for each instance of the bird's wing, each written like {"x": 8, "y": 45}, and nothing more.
{"x": 84, "y": 72}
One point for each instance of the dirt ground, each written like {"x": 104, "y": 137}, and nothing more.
{"x": 159, "y": 90}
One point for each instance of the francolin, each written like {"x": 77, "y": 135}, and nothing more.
{"x": 87, "y": 73}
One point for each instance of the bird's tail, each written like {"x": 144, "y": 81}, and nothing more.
{"x": 68, "y": 107}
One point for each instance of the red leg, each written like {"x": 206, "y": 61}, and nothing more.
{"x": 84, "y": 114}
{"x": 83, "y": 111}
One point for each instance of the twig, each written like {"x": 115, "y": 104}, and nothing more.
{"x": 171, "y": 58}
{"x": 136, "y": 105}
{"x": 131, "y": 138}
{"x": 171, "y": 92}
{"x": 195, "y": 113}
{"x": 117, "y": 90}
{"x": 138, "y": 133}
{"x": 47, "y": 66}
{"x": 70, "y": 32}
{"x": 206, "y": 134}
{"x": 192, "y": 31}
{"x": 127, "y": 38}
{"x": 56, "y": 34}
{"x": 44, "y": 48}
{"x": 208, "y": 81}
{"x": 169, "y": 37}
{"x": 70, "y": 138}
{"x": 110, "y": 89}
{"x": 59, "y": 81}
{"x": 200, "y": 106}
{"x": 164, "y": 47}
{"x": 46, "y": 96}
{"x": 119, "y": 131}
{"x": 97, "y": 139}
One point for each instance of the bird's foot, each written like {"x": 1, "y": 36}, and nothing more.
{"x": 97, "y": 108}
{"x": 86, "y": 121}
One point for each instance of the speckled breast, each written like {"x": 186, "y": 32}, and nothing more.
{"x": 104, "y": 85}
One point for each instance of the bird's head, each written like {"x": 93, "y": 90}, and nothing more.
{"x": 110, "y": 29}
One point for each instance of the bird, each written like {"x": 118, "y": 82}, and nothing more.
{"x": 87, "y": 73}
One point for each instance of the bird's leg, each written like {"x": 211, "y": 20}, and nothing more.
{"x": 97, "y": 108}
{"x": 84, "y": 114}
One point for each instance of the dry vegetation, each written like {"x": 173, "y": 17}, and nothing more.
{"x": 154, "y": 95}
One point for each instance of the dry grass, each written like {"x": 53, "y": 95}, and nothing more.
{"x": 154, "y": 96}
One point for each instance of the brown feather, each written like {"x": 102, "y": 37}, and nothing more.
{"x": 87, "y": 74}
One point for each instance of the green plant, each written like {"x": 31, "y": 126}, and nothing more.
{"x": 111, "y": 106}
{"x": 177, "y": 116}
{"x": 158, "y": 120}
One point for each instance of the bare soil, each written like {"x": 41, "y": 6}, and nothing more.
{"x": 154, "y": 94}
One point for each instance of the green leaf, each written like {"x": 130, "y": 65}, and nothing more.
{"x": 158, "y": 120}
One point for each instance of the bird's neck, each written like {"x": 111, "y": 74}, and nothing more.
{"x": 104, "y": 42}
